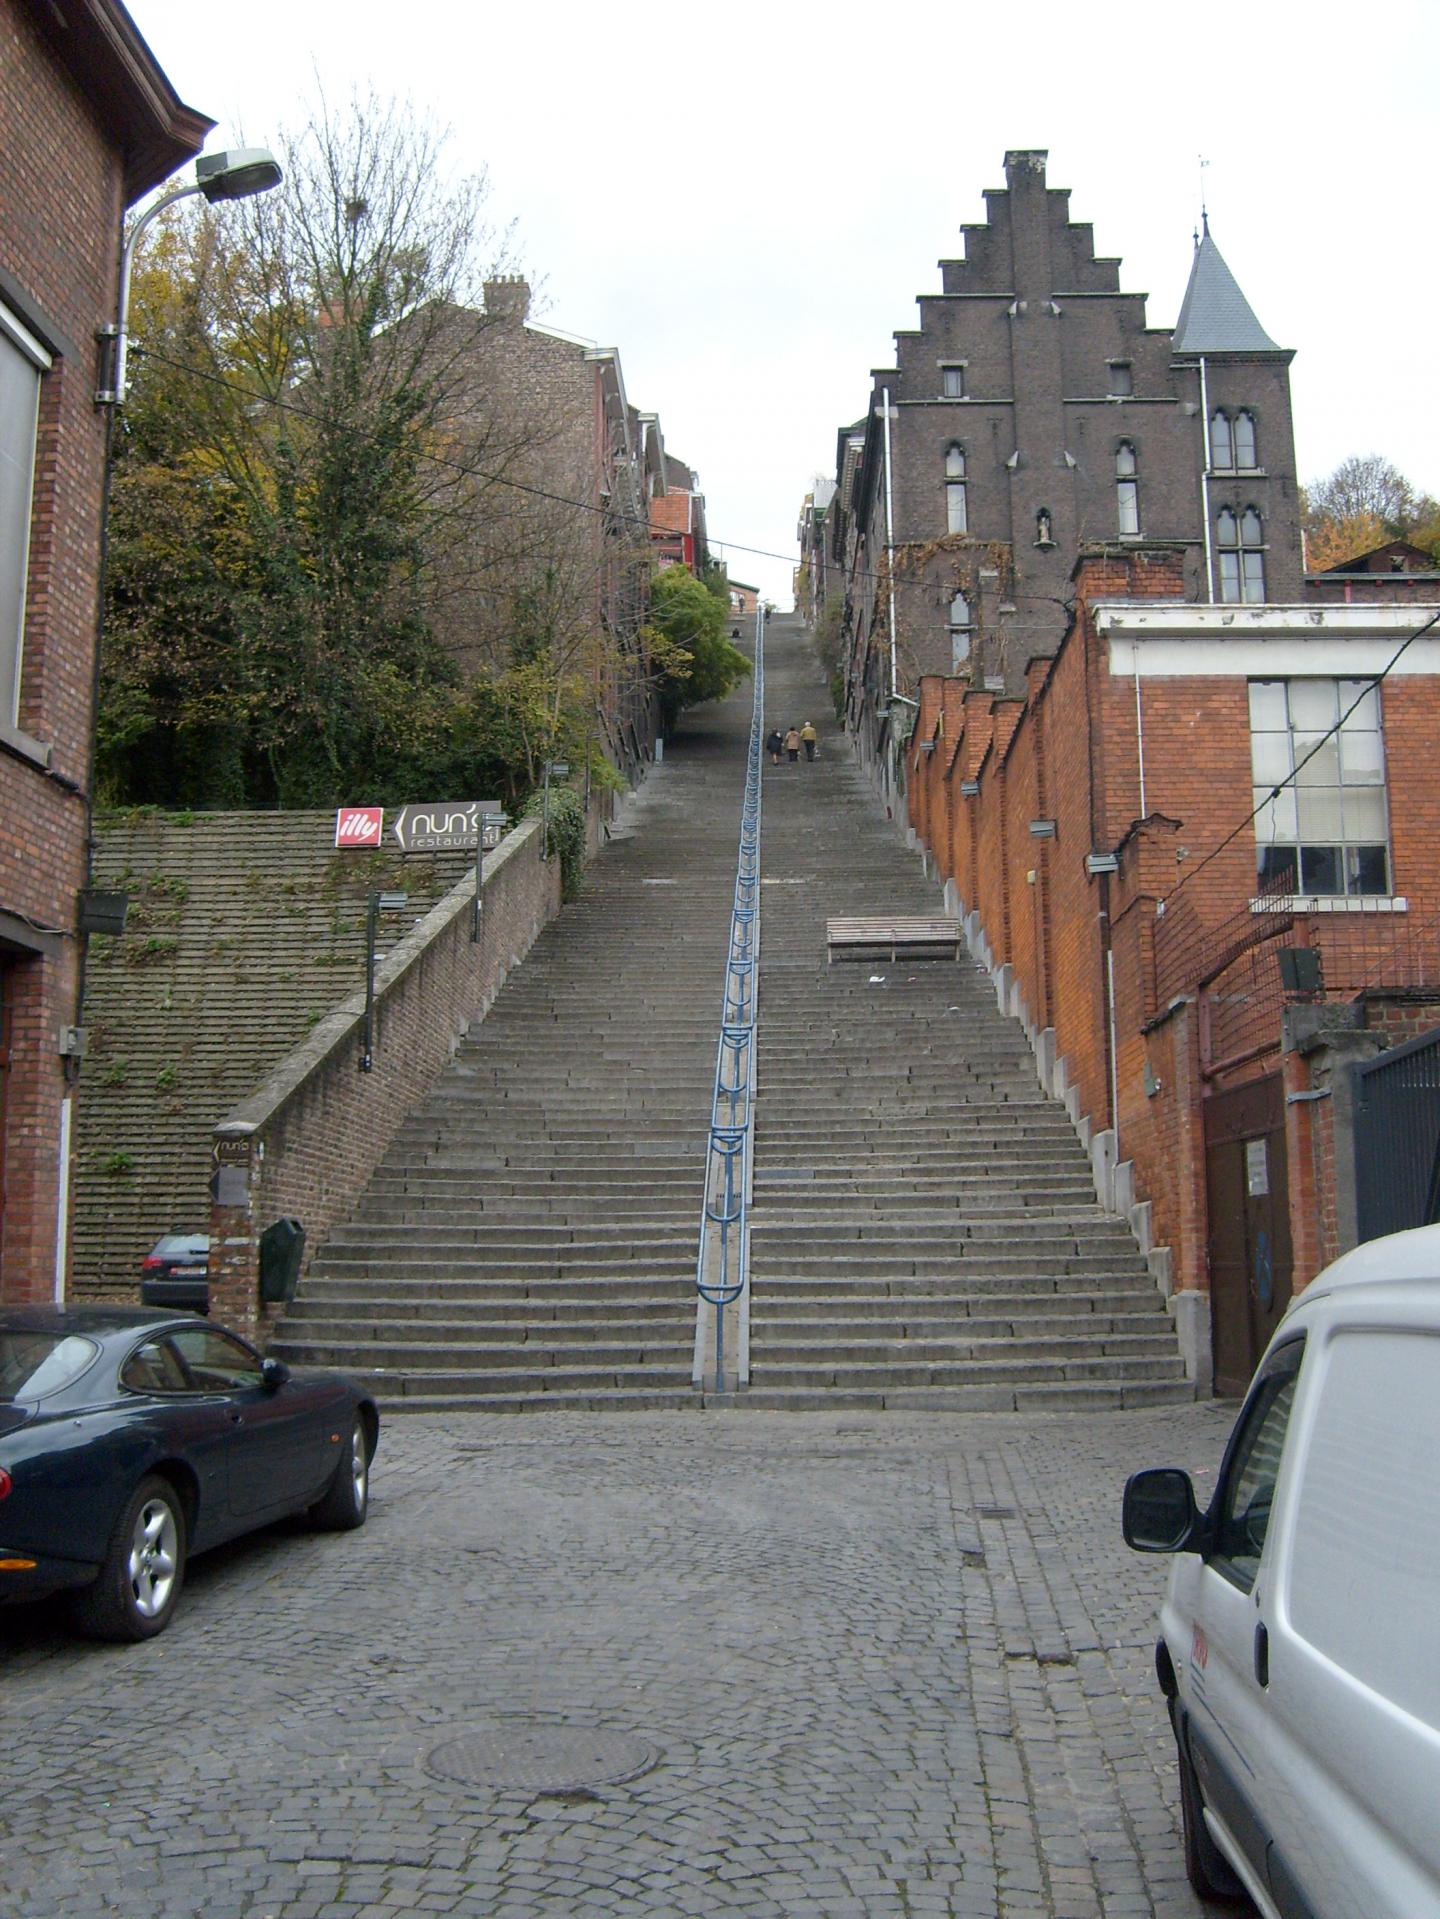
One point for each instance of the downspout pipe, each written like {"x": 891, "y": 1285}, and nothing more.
{"x": 889, "y": 539}
{"x": 1205, "y": 481}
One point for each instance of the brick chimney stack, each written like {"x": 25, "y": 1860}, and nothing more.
{"x": 508, "y": 299}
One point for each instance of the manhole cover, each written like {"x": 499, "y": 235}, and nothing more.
{"x": 520, "y": 1756}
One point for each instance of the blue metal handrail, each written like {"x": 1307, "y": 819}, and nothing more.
{"x": 722, "y": 1270}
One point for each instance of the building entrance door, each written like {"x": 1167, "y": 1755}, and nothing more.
{"x": 1248, "y": 1204}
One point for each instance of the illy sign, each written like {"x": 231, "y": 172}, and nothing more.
{"x": 446, "y": 826}
{"x": 359, "y": 825}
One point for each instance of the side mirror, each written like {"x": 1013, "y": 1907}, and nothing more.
{"x": 273, "y": 1374}
{"x": 1160, "y": 1515}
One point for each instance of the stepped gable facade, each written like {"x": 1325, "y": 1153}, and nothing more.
{"x": 91, "y": 124}
{"x": 1033, "y": 412}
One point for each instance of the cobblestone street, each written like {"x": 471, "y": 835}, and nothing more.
{"x": 883, "y": 1665}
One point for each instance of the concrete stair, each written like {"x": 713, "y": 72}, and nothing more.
{"x": 530, "y": 1240}
{"x": 924, "y": 1234}
{"x": 925, "y": 1231}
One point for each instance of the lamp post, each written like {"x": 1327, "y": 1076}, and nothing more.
{"x": 233, "y": 175}
{"x": 236, "y": 175}
{"x": 376, "y": 904}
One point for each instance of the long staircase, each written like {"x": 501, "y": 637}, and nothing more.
{"x": 924, "y": 1230}
{"x": 530, "y": 1238}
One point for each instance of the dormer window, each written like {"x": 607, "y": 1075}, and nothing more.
{"x": 956, "y": 516}
{"x": 1127, "y": 489}
{"x": 952, "y": 381}
{"x": 1122, "y": 382}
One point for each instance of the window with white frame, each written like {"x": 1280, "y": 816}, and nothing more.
{"x": 1222, "y": 442}
{"x": 1240, "y": 556}
{"x": 1244, "y": 440}
{"x": 23, "y": 363}
{"x": 952, "y": 381}
{"x": 956, "y": 517}
{"x": 962, "y": 631}
{"x": 1127, "y": 488}
{"x": 1324, "y": 832}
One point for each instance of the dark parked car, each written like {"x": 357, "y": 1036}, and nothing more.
{"x": 131, "y": 1439}
{"x": 175, "y": 1273}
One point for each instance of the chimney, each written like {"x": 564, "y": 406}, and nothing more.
{"x": 508, "y": 299}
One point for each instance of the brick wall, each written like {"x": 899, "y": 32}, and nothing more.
{"x": 1080, "y": 750}
{"x": 61, "y": 195}
{"x": 306, "y": 1144}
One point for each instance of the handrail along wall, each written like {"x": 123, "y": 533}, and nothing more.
{"x": 722, "y": 1273}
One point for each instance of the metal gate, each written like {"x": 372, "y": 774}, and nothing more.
{"x": 1247, "y": 1193}
{"x": 1397, "y": 1138}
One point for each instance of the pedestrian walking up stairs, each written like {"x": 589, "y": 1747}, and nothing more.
{"x": 924, "y": 1231}
{"x": 530, "y": 1239}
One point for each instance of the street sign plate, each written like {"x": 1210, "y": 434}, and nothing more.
{"x": 448, "y": 826}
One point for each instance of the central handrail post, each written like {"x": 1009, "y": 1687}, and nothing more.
{"x": 722, "y": 1270}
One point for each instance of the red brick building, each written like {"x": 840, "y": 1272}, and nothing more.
{"x": 91, "y": 123}
{"x": 677, "y": 519}
{"x": 1198, "y": 855}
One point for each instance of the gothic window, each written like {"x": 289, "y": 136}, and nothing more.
{"x": 962, "y": 629}
{"x": 1127, "y": 488}
{"x": 955, "y": 513}
{"x": 952, "y": 382}
{"x": 1241, "y": 556}
{"x": 1323, "y": 832}
{"x": 1122, "y": 380}
{"x": 1222, "y": 443}
{"x": 1244, "y": 439}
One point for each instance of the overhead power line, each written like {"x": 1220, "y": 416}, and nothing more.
{"x": 1367, "y": 687}
{"x": 523, "y": 486}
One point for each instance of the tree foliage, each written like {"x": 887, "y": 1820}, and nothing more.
{"x": 687, "y": 642}
{"x": 310, "y": 502}
{"x": 1365, "y": 503}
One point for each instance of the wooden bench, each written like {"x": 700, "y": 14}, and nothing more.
{"x": 898, "y": 936}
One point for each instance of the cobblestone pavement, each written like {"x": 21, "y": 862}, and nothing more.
{"x": 890, "y": 1665}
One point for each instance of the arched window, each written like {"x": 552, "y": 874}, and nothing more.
{"x": 1127, "y": 488}
{"x": 1245, "y": 440}
{"x": 1241, "y": 556}
{"x": 962, "y": 629}
{"x": 1222, "y": 443}
{"x": 956, "y": 519}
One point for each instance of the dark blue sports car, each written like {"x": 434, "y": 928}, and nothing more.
{"x": 131, "y": 1439}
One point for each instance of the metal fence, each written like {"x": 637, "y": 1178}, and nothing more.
{"x": 722, "y": 1319}
{"x": 1397, "y": 1138}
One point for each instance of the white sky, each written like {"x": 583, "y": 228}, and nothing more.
{"x": 746, "y": 201}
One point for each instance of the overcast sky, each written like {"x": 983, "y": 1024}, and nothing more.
{"x": 746, "y": 200}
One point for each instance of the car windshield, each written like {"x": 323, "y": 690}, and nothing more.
{"x": 34, "y": 1364}
{"x": 181, "y": 1244}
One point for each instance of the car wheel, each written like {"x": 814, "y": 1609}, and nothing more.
{"x": 1206, "y": 1867}
{"x": 139, "y": 1584}
{"x": 347, "y": 1498}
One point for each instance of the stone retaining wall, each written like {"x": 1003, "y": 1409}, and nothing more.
{"x": 305, "y": 1144}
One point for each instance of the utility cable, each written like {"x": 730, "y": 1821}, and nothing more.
{"x": 521, "y": 486}
{"x": 1367, "y": 687}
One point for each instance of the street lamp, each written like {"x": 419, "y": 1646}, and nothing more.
{"x": 234, "y": 175}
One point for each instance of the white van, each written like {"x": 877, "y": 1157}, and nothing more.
{"x": 1300, "y": 1639}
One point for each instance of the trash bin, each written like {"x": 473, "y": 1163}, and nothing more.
{"x": 282, "y": 1247}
